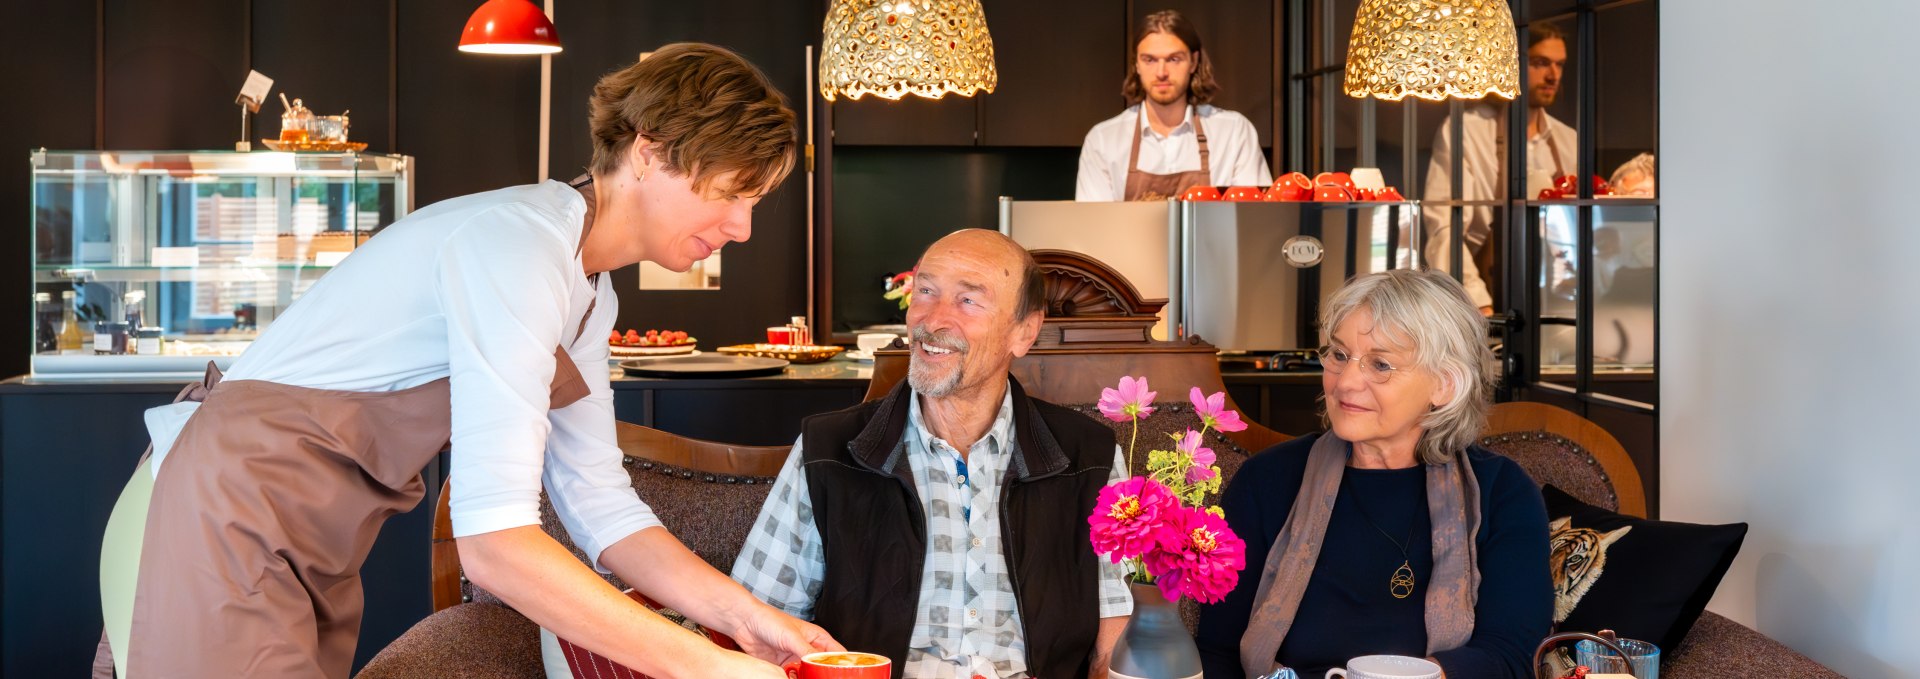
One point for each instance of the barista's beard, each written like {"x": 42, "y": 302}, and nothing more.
{"x": 1179, "y": 96}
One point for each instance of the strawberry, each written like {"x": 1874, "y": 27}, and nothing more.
{"x": 614, "y": 338}
{"x": 633, "y": 337}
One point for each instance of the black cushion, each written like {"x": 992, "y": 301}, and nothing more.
{"x": 1656, "y": 578}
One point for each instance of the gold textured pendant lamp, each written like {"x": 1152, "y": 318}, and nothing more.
{"x": 1433, "y": 49}
{"x": 892, "y": 48}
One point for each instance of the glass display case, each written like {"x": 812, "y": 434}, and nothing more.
{"x": 158, "y": 261}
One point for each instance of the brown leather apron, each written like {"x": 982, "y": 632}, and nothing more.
{"x": 265, "y": 509}
{"x": 1150, "y": 186}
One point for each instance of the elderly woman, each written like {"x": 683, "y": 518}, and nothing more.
{"x": 1392, "y": 533}
{"x": 475, "y": 322}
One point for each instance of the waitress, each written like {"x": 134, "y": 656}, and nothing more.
{"x": 477, "y": 321}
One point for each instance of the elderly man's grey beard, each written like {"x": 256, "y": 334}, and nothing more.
{"x": 917, "y": 372}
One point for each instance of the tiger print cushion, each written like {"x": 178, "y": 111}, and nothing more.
{"x": 1644, "y": 579}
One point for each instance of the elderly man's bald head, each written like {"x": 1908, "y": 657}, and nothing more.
{"x": 1015, "y": 264}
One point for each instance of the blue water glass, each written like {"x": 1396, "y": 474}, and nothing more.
{"x": 1644, "y": 658}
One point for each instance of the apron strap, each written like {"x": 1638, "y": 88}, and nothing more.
{"x": 1200, "y": 136}
{"x": 582, "y": 184}
{"x": 1133, "y": 157}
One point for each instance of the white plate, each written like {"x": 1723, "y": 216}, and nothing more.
{"x": 858, "y": 355}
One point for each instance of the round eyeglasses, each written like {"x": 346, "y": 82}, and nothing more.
{"x": 1375, "y": 369}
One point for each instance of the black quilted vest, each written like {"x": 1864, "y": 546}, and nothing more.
{"x": 875, "y": 534}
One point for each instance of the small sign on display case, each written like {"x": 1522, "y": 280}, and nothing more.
{"x": 252, "y": 92}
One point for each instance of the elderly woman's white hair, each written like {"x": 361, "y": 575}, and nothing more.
{"x": 1427, "y": 314}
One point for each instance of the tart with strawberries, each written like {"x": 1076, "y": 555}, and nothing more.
{"x": 632, "y": 344}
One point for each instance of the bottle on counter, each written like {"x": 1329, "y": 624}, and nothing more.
{"x": 148, "y": 341}
{"x": 46, "y": 324}
{"x": 72, "y": 338}
{"x": 110, "y": 338}
{"x": 134, "y": 302}
{"x": 801, "y": 334}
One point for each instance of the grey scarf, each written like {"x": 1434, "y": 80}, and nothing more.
{"x": 1453, "y": 505}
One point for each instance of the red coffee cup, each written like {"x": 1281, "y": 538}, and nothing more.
{"x": 840, "y": 665}
{"x": 1201, "y": 192}
{"x": 1244, "y": 193}
{"x": 781, "y": 334}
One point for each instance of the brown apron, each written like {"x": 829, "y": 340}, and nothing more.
{"x": 263, "y": 512}
{"x": 1150, "y": 186}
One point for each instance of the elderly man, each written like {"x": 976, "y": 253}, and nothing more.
{"x": 945, "y": 526}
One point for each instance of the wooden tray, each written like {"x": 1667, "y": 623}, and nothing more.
{"x": 333, "y": 146}
{"x": 797, "y": 353}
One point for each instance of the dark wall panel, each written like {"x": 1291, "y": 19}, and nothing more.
{"x": 172, "y": 69}
{"x": 911, "y": 121}
{"x": 333, "y": 71}
{"x": 471, "y": 121}
{"x": 50, "y": 104}
{"x": 765, "y": 278}
{"x": 1054, "y": 85}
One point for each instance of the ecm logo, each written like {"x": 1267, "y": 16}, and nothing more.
{"x": 1303, "y": 251}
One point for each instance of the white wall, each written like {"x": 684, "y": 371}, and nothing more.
{"x": 1790, "y": 313}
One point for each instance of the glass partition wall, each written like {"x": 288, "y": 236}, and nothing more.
{"x": 1567, "y": 267}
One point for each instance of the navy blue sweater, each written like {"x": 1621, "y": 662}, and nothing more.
{"x": 1347, "y": 610}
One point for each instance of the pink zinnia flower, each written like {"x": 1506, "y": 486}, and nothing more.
{"x": 1131, "y": 401}
{"x": 1199, "y": 557}
{"x": 1213, "y": 411}
{"x": 1203, "y": 458}
{"x": 1127, "y": 517}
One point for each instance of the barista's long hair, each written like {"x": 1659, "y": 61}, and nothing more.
{"x": 1200, "y": 88}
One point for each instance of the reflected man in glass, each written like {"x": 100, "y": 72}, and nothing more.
{"x": 1551, "y": 149}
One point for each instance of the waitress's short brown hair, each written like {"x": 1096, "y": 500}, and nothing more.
{"x": 1200, "y": 88}
{"x": 705, "y": 109}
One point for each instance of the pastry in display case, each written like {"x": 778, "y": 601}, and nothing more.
{"x": 148, "y": 262}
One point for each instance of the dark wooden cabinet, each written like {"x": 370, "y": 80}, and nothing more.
{"x": 911, "y": 121}
{"x": 1061, "y": 64}
{"x": 1239, "y": 38}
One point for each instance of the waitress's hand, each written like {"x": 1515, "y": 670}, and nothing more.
{"x": 731, "y": 664}
{"x": 776, "y": 637}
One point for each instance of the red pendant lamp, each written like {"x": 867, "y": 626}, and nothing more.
{"x": 509, "y": 27}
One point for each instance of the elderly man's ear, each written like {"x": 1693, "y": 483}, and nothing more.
{"x": 1025, "y": 332}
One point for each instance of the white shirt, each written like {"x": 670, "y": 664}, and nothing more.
{"x": 480, "y": 289}
{"x": 968, "y": 621}
{"x": 1480, "y": 171}
{"x": 1233, "y": 151}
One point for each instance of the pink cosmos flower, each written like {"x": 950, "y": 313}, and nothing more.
{"x": 1131, "y": 401}
{"x": 1199, "y": 557}
{"x": 1203, "y": 458}
{"x": 1127, "y": 517}
{"x": 1213, "y": 411}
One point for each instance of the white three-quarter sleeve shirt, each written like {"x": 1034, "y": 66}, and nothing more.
{"x": 480, "y": 289}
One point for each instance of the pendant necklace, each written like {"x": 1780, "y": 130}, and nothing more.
{"x": 1402, "y": 583}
